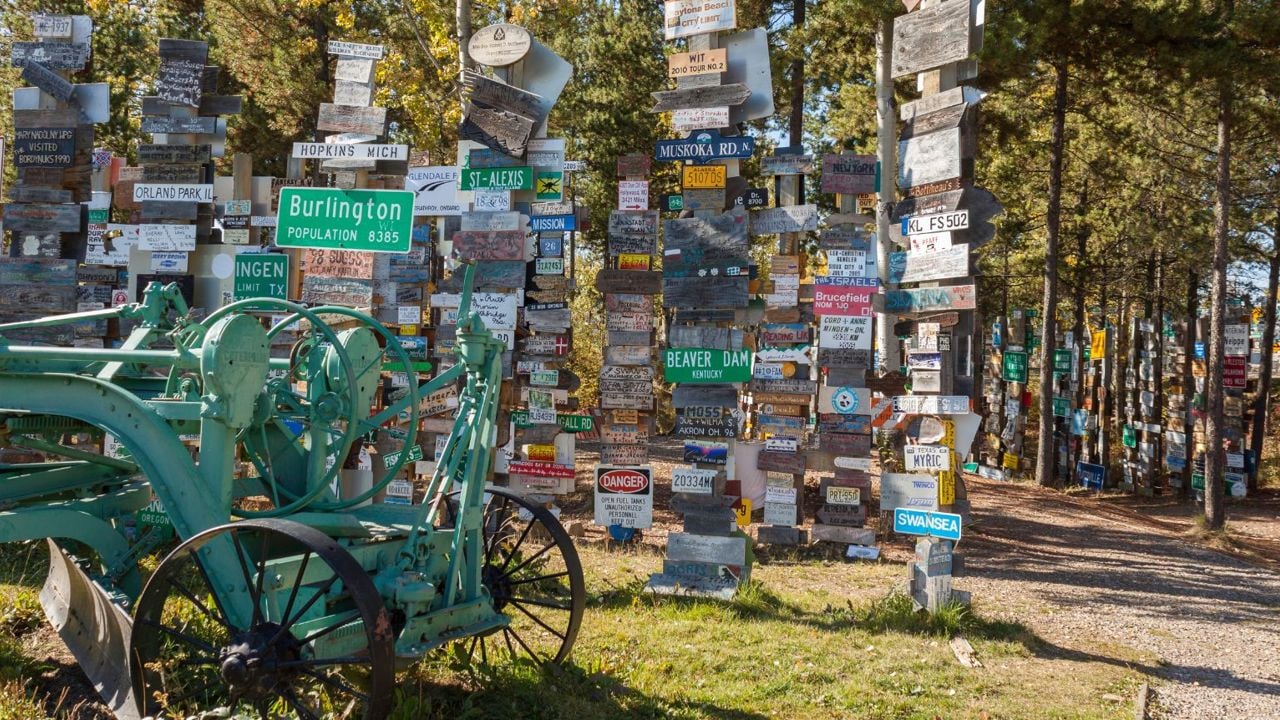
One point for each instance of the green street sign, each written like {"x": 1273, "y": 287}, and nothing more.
{"x": 673, "y": 202}
{"x": 262, "y": 276}
{"x": 695, "y": 365}
{"x": 502, "y": 178}
{"x": 368, "y": 220}
{"x": 153, "y": 514}
{"x": 1062, "y": 361}
{"x": 1128, "y": 437}
{"x": 1015, "y": 367}
{"x": 1197, "y": 481}
{"x": 568, "y": 423}
{"x": 1061, "y": 407}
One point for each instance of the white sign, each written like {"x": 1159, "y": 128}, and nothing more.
{"x": 499, "y": 45}
{"x": 624, "y": 496}
{"x": 952, "y": 262}
{"x": 852, "y": 463}
{"x": 633, "y": 194}
{"x": 408, "y": 314}
{"x": 350, "y": 69}
{"x": 51, "y": 26}
{"x": 545, "y": 154}
{"x": 1235, "y": 340}
{"x": 693, "y": 481}
{"x": 360, "y": 50}
{"x": 186, "y": 192}
{"x": 122, "y": 237}
{"x": 937, "y": 222}
{"x": 490, "y": 221}
{"x": 349, "y": 151}
{"x": 779, "y": 514}
{"x": 929, "y": 158}
{"x": 167, "y": 238}
{"x": 690, "y": 119}
{"x": 931, "y": 404}
{"x": 169, "y": 262}
{"x": 775, "y": 494}
{"x": 929, "y": 458}
{"x": 930, "y": 242}
{"x": 782, "y": 444}
{"x": 491, "y": 200}
{"x": 682, "y": 18}
{"x": 435, "y": 190}
{"x": 850, "y": 263}
{"x": 844, "y": 400}
{"x": 498, "y": 310}
{"x": 900, "y": 490}
{"x": 837, "y": 332}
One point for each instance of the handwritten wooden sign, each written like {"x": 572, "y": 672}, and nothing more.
{"x": 634, "y": 165}
{"x": 629, "y": 281}
{"x": 53, "y": 55}
{"x": 47, "y": 80}
{"x": 42, "y": 218}
{"x": 932, "y": 37}
{"x": 786, "y": 164}
{"x": 849, "y": 174}
{"x": 180, "y": 126}
{"x": 693, "y": 119}
{"x": 703, "y": 62}
{"x": 348, "y": 118}
{"x": 44, "y": 147}
{"x": 181, "y": 75}
{"x": 955, "y": 297}
{"x": 794, "y": 218}
{"x": 698, "y": 97}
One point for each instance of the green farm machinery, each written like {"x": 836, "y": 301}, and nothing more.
{"x": 291, "y": 592}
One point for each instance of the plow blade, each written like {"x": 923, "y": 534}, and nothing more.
{"x": 95, "y": 629}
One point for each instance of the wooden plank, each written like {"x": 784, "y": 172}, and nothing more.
{"x": 955, "y": 297}
{"x": 47, "y": 80}
{"x": 849, "y": 174}
{"x": 630, "y": 337}
{"x": 162, "y": 154}
{"x": 38, "y": 298}
{"x": 173, "y": 173}
{"x": 500, "y": 274}
{"x": 635, "y": 165}
{"x": 695, "y": 336}
{"x": 702, "y": 62}
{"x": 939, "y": 157}
{"x": 42, "y": 218}
{"x": 710, "y": 96}
{"x": 180, "y": 126}
{"x": 631, "y": 223}
{"x": 628, "y": 355}
{"x": 952, "y": 262}
{"x": 708, "y": 293}
{"x": 150, "y": 210}
{"x": 338, "y": 263}
{"x": 845, "y": 443}
{"x": 38, "y": 271}
{"x": 359, "y": 94}
{"x": 629, "y": 281}
{"x": 696, "y": 241}
{"x": 932, "y": 37}
{"x": 346, "y": 118}
{"x": 50, "y": 147}
{"x": 37, "y": 194}
{"x": 791, "y": 386}
{"x": 53, "y": 55}
{"x": 632, "y": 244}
{"x": 685, "y": 396}
{"x": 501, "y": 96}
{"x": 180, "y": 80}
{"x": 793, "y": 218}
{"x": 793, "y": 463}
{"x": 786, "y": 164}
{"x": 489, "y": 245}
{"x": 844, "y": 358}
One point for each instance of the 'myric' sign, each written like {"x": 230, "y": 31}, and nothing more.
{"x": 705, "y": 145}
{"x": 368, "y": 220}
{"x": 682, "y": 18}
{"x": 500, "y": 45}
{"x": 695, "y": 365}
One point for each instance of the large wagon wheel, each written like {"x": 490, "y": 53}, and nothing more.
{"x": 533, "y": 574}
{"x": 188, "y": 653}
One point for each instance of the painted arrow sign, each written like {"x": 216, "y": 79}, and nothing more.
{"x": 710, "y": 96}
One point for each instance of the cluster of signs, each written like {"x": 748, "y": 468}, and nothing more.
{"x": 1004, "y": 392}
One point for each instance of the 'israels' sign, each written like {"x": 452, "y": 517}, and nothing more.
{"x": 705, "y": 145}
{"x": 923, "y": 522}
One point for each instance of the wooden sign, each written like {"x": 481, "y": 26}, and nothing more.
{"x": 703, "y": 62}
{"x": 794, "y": 218}
{"x": 698, "y": 241}
{"x": 932, "y": 37}
{"x": 710, "y": 199}
{"x": 181, "y": 75}
{"x": 628, "y": 303}
{"x": 629, "y": 281}
{"x": 635, "y": 165}
{"x": 849, "y": 424}
{"x": 844, "y": 443}
{"x": 793, "y": 463}
{"x": 42, "y": 218}
{"x": 684, "y": 18}
{"x": 779, "y": 333}
{"x": 634, "y": 223}
{"x": 955, "y": 297}
{"x": 699, "y": 97}
{"x": 962, "y": 95}
{"x": 708, "y": 293}
{"x": 791, "y": 386}
{"x": 182, "y": 174}
{"x": 706, "y": 427}
{"x": 489, "y": 245}
{"x": 500, "y": 274}
{"x": 934, "y": 158}
{"x": 180, "y": 154}
{"x": 953, "y": 262}
{"x": 705, "y": 176}
{"x": 348, "y": 118}
{"x": 52, "y": 55}
{"x": 786, "y": 164}
{"x": 351, "y": 69}
{"x": 180, "y": 126}
{"x": 500, "y": 45}
{"x": 844, "y": 400}
{"x": 694, "y": 336}
{"x": 849, "y": 174}
{"x": 628, "y": 355}
{"x": 44, "y": 147}
{"x": 175, "y": 192}
{"x": 47, "y": 80}
{"x": 686, "y": 396}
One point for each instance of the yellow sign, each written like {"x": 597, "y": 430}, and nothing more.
{"x": 1257, "y": 315}
{"x": 947, "y": 488}
{"x": 742, "y": 512}
{"x": 545, "y": 453}
{"x": 1098, "y": 349}
{"x": 633, "y": 261}
{"x": 949, "y": 434}
{"x": 408, "y": 329}
{"x": 1009, "y": 461}
{"x": 704, "y": 177}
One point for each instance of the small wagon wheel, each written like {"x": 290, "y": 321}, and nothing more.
{"x": 300, "y": 632}
{"x": 534, "y": 576}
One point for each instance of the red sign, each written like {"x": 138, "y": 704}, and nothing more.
{"x": 1235, "y": 372}
{"x": 624, "y": 481}
{"x": 842, "y": 301}
{"x": 541, "y": 469}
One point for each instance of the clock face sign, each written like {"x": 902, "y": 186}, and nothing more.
{"x": 845, "y": 401}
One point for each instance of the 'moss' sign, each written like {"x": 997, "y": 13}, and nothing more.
{"x": 624, "y": 496}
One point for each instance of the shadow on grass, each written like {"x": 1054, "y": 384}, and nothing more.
{"x": 454, "y": 690}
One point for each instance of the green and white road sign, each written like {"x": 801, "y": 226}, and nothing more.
{"x": 368, "y": 220}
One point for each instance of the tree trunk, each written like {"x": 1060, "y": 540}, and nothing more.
{"x": 1262, "y": 403}
{"x": 1048, "y": 330}
{"x": 1188, "y": 377}
{"x": 1214, "y": 509}
{"x": 1157, "y": 372}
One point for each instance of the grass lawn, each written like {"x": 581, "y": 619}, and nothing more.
{"x": 809, "y": 638}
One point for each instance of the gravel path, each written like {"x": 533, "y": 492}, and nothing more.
{"x": 1096, "y": 585}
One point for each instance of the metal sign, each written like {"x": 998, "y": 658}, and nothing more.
{"x": 500, "y": 45}
{"x": 693, "y": 365}
{"x": 509, "y": 178}
{"x": 697, "y": 177}
{"x": 901, "y": 490}
{"x": 684, "y": 18}
{"x": 624, "y": 496}
{"x": 357, "y": 50}
{"x": 705, "y": 145}
{"x": 261, "y": 275}
{"x": 907, "y": 521}
{"x": 366, "y": 220}
{"x": 937, "y": 222}
{"x": 434, "y": 190}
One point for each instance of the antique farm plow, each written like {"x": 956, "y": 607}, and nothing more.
{"x": 292, "y": 592}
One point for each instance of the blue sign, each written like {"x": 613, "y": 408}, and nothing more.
{"x": 1199, "y": 351}
{"x": 705, "y": 145}
{"x": 553, "y": 223}
{"x": 922, "y": 522}
{"x": 1091, "y": 476}
{"x": 550, "y": 247}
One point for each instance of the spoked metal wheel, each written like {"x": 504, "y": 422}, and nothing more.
{"x": 304, "y": 636}
{"x": 532, "y": 571}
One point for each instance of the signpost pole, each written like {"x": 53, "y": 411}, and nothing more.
{"x": 887, "y": 157}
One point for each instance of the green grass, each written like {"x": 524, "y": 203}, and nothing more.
{"x": 808, "y": 638}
